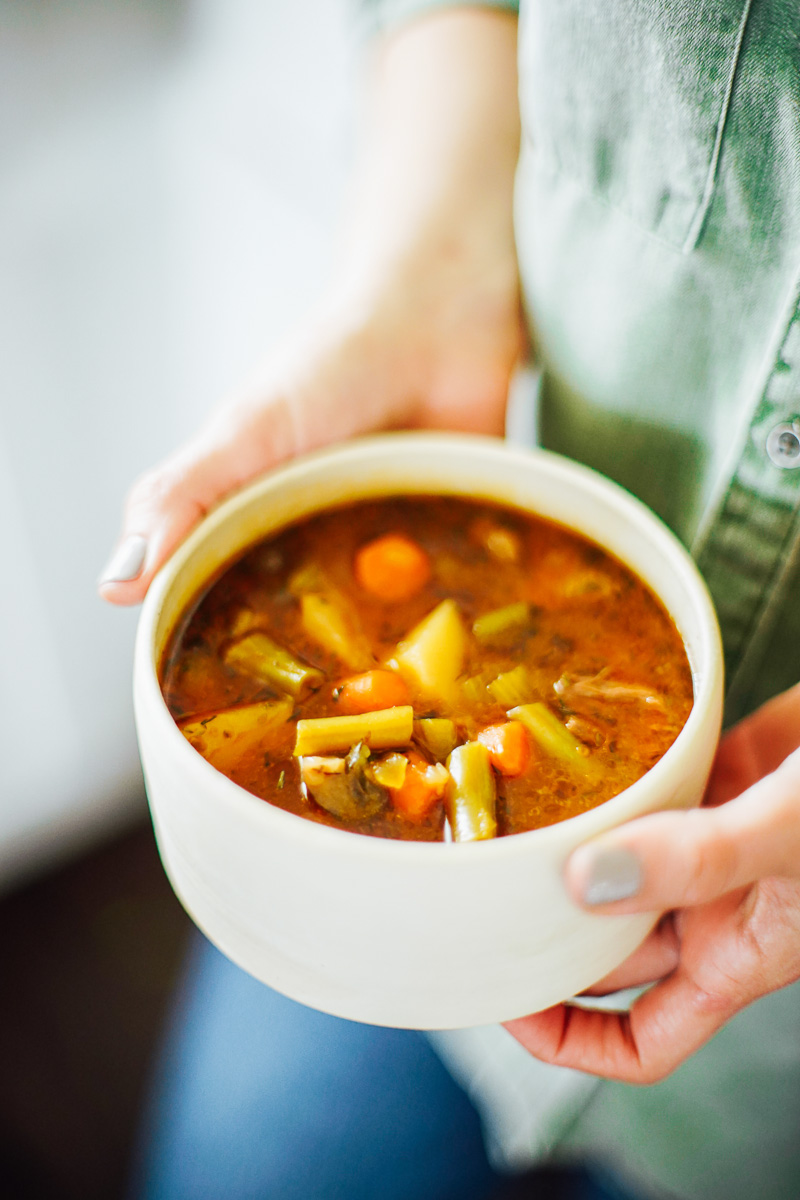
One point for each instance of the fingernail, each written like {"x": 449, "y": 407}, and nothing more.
{"x": 614, "y": 874}
{"x": 126, "y": 562}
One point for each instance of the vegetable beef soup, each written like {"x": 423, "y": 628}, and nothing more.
{"x": 428, "y": 668}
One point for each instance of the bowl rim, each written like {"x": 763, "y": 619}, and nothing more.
{"x": 151, "y": 709}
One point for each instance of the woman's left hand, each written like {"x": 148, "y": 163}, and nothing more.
{"x": 729, "y": 873}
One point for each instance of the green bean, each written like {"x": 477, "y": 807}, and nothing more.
{"x": 383, "y": 730}
{"x": 257, "y": 655}
{"x": 470, "y": 794}
{"x": 501, "y": 623}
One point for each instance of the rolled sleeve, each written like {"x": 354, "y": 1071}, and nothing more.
{"x": 373, "y": 17}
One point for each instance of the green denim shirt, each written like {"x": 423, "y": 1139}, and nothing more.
{"x": 658, "y": 231}
{"x": 658, "y": 234}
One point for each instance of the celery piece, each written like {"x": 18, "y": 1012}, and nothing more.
{"x": 390, "y": 772}
{"x": 309, "y": 577}
{"x": 257, "y": 655}
{"x": 470, "y": 794}
{"x": 588, "y": 584}
{"x": 246, "y": 621}
{"x": 513, "y": 687}
{"x": 383, "y": 730}
{"x": 436, "y": 735}
{"x": 224, "y": 737}
{"x": 552, "y": 737}
{"x": 329, "y": 618}
{"x": 473, "y": 689}
{"x": 329, "y": 622}
{"x": 502, "y": 623}
{"x": 431, "y": 656}
{"x": 503, "y": 544}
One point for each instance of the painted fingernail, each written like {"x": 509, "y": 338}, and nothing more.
{"x": 614, "y": 874}
{"x": 126, "y": 562}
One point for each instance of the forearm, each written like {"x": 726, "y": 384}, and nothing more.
{"x": 421, "y": 323}
{"x": 439, "y": 148}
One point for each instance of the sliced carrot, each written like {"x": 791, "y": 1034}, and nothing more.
{"x": 509, "y": 747}
{"x": 422, "y": 787}
{"x": 392, "y": 567}
{"x": 372, "y": 691}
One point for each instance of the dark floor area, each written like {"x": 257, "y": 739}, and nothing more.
{"x": 89, "y": 957}
{"x": 90, "y": 954}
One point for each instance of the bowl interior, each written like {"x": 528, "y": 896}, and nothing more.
{"x": 534, "y": 480}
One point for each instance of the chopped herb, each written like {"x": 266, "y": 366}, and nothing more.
{"x": 281, "y": 779}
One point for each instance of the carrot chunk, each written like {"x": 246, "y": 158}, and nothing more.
{"x": 422, "y": 787}
{"x": 372, "y": 691}
{"x": 392, "y": 567}
{"x": 509, "y": 747}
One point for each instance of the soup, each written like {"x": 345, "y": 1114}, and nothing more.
{"x": 428, "y": 668}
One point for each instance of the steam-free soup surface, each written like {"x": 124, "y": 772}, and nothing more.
{"x": 520, "y": 674}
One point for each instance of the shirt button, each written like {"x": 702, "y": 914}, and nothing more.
{"x": 783, "y": 445}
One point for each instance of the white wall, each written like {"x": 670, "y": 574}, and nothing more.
{"x": 169, "y": 180}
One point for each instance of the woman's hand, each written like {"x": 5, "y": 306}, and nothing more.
{"x": 730, "y": 873}
{"x": 422, "y": 325}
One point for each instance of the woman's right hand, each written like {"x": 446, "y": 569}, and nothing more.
{"x": 422, "y": 327}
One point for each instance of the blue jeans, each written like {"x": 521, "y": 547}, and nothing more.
{"x": 260, "y": 1098}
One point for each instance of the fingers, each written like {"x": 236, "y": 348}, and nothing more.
{"x": 656, "y": 957}
{"x": 168, "y": 501}
{"x": 674, "y": 859}
{"x": 756, "y": 746}
{"x": 665, "y": 1026}
{"x": 732, "y": 952}
{"x": 308, "y": 397}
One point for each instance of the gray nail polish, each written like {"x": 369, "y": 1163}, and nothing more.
{"x": 614, "y": 874}
{"x": 126, "y": 562}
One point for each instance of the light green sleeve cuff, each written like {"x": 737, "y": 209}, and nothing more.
{"x": 372, "y": 17}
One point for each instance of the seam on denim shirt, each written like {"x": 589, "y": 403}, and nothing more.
{"x": 774, "y": 346}
{"x": 373, "y": 18}
{"x": 749, "y": 548}
{"x": 699, "y": 219}
{"x": 740, "y": 679}
{"x": 544, "y": 165}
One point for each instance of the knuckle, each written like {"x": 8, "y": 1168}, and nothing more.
{"x": 711, "y": 858}
{"x": 650, "y": 1073}
{"x": 156, "y": 489}
{"x": 716, "y": 1001}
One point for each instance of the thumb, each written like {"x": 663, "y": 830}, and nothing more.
{"x": 289, "y": 409}
{"x": 167, "y": 501}
{"x": 677, "y": 859}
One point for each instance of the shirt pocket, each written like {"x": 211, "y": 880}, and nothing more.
{"x": 629, "y": 99}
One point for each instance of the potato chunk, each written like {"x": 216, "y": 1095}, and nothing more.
{"x": 431, "y": 657}
{"x": 226, "y": 736}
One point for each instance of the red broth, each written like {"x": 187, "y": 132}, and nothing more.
{"x": 536, "y": 621}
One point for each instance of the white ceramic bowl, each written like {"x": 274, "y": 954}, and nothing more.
{"x": 400, "y": 933}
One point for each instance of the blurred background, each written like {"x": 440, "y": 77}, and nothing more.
{"x": 170, "y": 177}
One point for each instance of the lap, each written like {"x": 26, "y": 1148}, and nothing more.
{"x": 258, "y": 1096}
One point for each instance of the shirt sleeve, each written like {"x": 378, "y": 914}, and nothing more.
{"x": 373, "y": 17}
